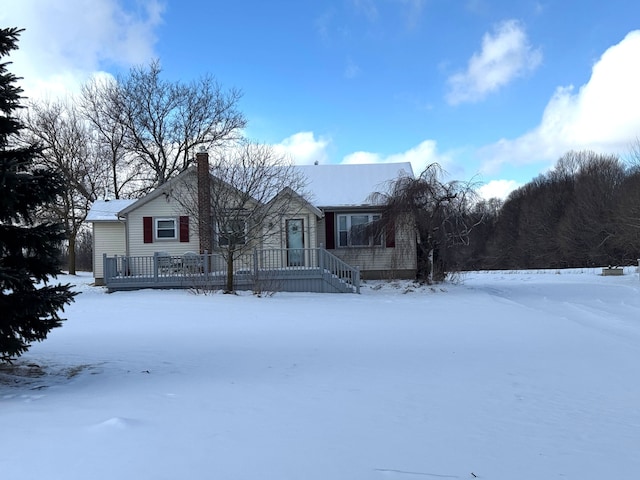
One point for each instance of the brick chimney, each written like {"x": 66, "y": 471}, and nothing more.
{"x": 205, "y": 227}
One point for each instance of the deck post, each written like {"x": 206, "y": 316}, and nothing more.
{"x": 155, "y": 267}
{"x": 105, "y": 268}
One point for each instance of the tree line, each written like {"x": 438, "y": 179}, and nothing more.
{"x": 583, "y": 212}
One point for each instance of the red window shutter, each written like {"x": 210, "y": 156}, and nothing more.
{"x": 390, "y": 234}
{"x": 330, "y": 230}
{"x": 147, "y": 229}
{"x": 184, "y": 229}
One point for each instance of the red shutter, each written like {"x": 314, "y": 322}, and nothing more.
{"x": 147, "y": 229}
{"x": 184, "y": 229}
{"x": 330, "y": 230}
{"x": 390, "y": 234}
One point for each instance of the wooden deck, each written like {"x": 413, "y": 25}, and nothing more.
{"x": 276, "y": 270}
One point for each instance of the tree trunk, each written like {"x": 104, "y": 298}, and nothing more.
{"x": 72, "y": 255}
{"x": 229, "y": 288}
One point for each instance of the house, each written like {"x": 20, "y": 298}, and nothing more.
{"x": 328, "y": 217}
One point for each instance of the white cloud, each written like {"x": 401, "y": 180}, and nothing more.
{"x": 65, "y": 42}
{"x": 420, "y": 157}
{"x": 352, "y": 70}
{"x": 367, "y": 8}
{"x": 498, "y": 189}
{"x": 505, "y": 55}
{"x": 603, "y": 115}
{"x": 304, "y": 148}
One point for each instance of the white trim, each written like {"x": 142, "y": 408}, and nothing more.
{"x": 344, "y": 235}
{"x": 156, "y": 229}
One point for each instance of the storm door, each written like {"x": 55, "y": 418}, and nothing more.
{"x": 295, "y": 242}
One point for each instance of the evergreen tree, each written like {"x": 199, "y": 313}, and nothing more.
{"x": 29, "y": 305}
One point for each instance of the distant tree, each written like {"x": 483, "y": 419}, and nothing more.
{"x": 437, "y": 210}
{"x": 69, "y": 149}
{"x": 583, "y": 212}
{"x": 627, "y": 214}
{"x": 28, "y": 250}
{"x": 589, "y": 226}
{"x": 253, "y": 188}
{"x": 483, "y": 215}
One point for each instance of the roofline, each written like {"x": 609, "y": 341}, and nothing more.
{"x": 156, "y": 192}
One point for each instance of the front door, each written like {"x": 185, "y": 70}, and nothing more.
{"x": 295, "y": 242}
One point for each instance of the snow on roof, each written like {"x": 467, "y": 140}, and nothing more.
{"x": 350, "y": 184}
{"x": 327, "y": 185}
{"x": 107, "y": 210}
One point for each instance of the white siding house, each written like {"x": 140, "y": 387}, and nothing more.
{"x": 338, "y": 200}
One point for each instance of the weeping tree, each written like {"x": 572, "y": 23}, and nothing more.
{"x": 436, "y": 210}
{"x": 28, "y": 248}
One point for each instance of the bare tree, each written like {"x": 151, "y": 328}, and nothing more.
{"x": 68, "y": 150}
{"x": 98, "y": 105}
{"x": 580, "y": 213}
{"x": 252, "y": 190}
{"x": 166, "y": 122}
{"x": 437, "y": 210}
{"x": 589, "y": 225}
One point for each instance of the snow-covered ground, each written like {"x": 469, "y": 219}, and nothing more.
{"x": 504, "y": 375}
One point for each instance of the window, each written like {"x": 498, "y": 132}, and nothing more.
{"x": 166, "y": 229}
{"x": 352, "y": 230}
{"x": 232, "y": 232}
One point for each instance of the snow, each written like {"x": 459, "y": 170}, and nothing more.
{"x": 107, "y": 210}
{"x": 350, "y": 184}
{"x": 501, "y": 375}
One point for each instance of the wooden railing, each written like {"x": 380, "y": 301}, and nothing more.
{"x": 304, "y": 269}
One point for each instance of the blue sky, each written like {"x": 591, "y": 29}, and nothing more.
{"x": 494, "y": 91}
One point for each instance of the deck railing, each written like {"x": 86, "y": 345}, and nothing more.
{"x": 303, "y": 269}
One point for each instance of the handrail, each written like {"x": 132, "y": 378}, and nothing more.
{"x": 340, "y": 268}
{"x": 272, "y": 265}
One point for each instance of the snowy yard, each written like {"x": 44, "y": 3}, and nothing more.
{"x": 511, "y": 376}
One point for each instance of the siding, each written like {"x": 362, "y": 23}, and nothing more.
{"x": 109, "y": 238}
{"x": 276, "y": 236}
{"x": 160, "y": 207}
{"x": 379, "y": 262}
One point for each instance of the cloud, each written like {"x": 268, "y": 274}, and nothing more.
{"x": 603, "y": 115}
{"x": 367, "y": 8}
{"x": 352, "y": 70}
{"x": 304, "y": 148}
{"x": 498, "y": 189}
{"x": 506, "y": 54}
{"x": 65, "y": 42}
{"x": 412, "y": 11}
{"x": 420, "y": 157}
